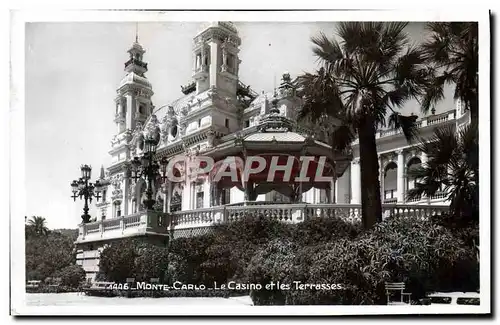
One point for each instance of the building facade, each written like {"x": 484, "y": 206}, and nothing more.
{"x": 219, "y": 116}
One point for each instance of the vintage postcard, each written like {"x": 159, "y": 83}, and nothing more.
{"x": 250, "y": 162}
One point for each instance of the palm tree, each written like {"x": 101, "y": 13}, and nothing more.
{"x": 370, "y": 70}
{"x": 38, "y": 225}
{"x": 451, "y": 167}
{"x": 452, "y": 53}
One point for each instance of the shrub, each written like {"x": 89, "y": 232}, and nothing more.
{"x": 235, "y": 243}
{"x": 321, "y": 230}
{"x": 223, "y": 254}
{"x": 117, "y": 261}
{"x": 426, "y": 256}
{"x": 34, "y": 275}
{"x": 186, "y": 256}
{"x": 71, "y": 276}
{"x": 272, "y": 263}
{"x": 151, "y": 262}
{"x": 47, "y": 254}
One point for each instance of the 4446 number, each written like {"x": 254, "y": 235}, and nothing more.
{"x": 118, "y": 286}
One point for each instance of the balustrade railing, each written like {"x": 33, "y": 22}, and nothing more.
{"x": 291, "y": 213}
{"x": 424, "y": 122}
{"x": 439, "y": 195}
{"x": 132, "y": 221}
{"x": 298, "y": 212}
{"x": 121, "y": 224}
{"x": 111, "y": 224}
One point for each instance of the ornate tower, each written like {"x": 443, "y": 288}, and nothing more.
{"x": 133, "y": 107}
{"x": 215, "y": 58}
{"x": 133, "y": 100}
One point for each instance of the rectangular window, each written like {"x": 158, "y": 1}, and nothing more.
{"x": 323, "y": 196}
{"x": 227, "y": 196}
{"x": 227, "y": 123}
{"x": 247, "y": 123}
{"x": 118, "y": 211}
{"x": 230, "y": 60}
{"x": 199, "y": 200}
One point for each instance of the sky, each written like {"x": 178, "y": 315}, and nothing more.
{"x": 72, "y": 72}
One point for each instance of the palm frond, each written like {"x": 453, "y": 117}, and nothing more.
{"x": 342, "y": 137}
{"x": 320, "y": 95}
{"x": 434, "y": 91}
{"x": 327, "y": 50}
{"x": 407, "y": 124}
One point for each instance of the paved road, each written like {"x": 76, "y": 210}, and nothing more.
{"x": 75, "y": 299}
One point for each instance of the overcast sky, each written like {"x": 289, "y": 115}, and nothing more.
{"x": 73, "y": 70}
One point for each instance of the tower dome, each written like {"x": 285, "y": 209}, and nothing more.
{"x": 227, "y": 25}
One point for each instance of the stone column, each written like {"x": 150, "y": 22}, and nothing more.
{"x": 168, "y": 196}
{"x": 130, "y": 114}
{"x": 336, "y": 198}
{"x": 401, "y": 177}
{"x": 126, "y": 190}
{"x": 198, "y": 61}
{"x": 355, "y": 181}
{"x": 186, "y": 196}
{"x": 381, "y": 177}
{"x": 424, "y": 159}
{"x": 206, "y": 193}
{"x": 333, "y": 191}
{"x": 214, "y": 63}
{"x": 203, "y": 57}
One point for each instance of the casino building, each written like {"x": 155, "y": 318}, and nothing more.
{"x": 218, "y": 116}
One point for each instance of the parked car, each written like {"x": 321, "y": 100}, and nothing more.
{"x": 451, "y": 298}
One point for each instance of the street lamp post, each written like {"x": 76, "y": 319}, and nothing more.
{"x": 86, "y": 190}
{"x": 145, "y": 166}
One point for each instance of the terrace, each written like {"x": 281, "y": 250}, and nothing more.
{"x": 192, "y": 222}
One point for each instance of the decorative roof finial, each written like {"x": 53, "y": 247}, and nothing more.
{"x": 274, "y": 84}
{"x": 274, "y": 109}
{"x": 102, "y": 172}
{"x": 136, "y": 32}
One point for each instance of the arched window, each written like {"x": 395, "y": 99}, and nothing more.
{"x": 117, "y": 209}
{"x": 173, "y": 131}
{"x": 390, "y": 182}
{"x": 176, "y": 202}
{"x": 124, "y": 106}
{"x": 413, "y": 164}
{"x": 134, "y": 206}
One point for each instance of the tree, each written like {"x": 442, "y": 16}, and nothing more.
{"x": 368, "y": 70}
{"x": 38, "y": 225}
{"x": 71, "y": 276}
{"x": 151, "y": 262}
{"x": 117, "y": 261}
{"x": 452, "y": 167}
{"x": 46, "y": 255}
{"x": 452, "y": 54}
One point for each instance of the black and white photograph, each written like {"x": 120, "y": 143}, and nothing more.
{"x": 250, "y": 163}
